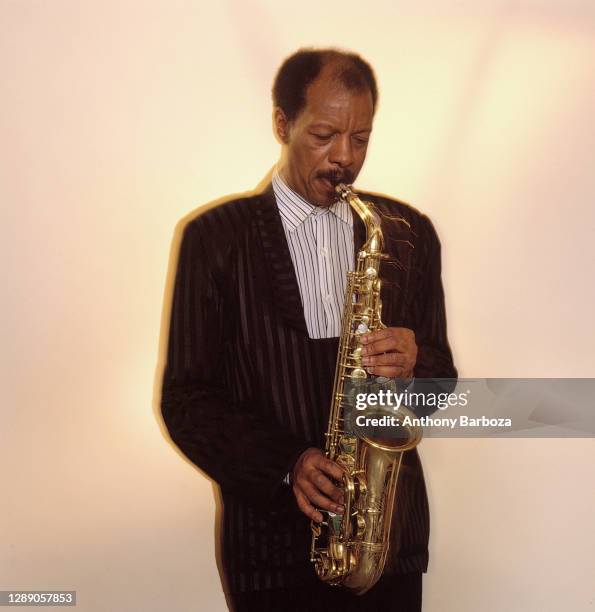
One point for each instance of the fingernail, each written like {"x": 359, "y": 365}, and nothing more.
{"x": 366, "y": 361}
{"x": 339, "y": 509}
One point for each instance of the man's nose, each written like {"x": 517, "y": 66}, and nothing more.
{"x": 341, "y": 152}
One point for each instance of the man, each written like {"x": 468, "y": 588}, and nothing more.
{"x": 254, "y": 333}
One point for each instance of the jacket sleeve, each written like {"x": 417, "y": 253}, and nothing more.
{"x": 238, "y": 446}
{"x": 434, "y": 371}
{"x": 434, "y": 357}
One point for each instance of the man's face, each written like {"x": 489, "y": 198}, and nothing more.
{"x": 327, "y": 142}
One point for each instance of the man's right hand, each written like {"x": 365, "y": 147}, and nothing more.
{"x": 312, "y": 486}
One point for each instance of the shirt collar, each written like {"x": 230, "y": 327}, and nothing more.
{"x": 294, "y": 209}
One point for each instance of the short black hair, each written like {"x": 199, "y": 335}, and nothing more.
{"x": 301, "y": 68}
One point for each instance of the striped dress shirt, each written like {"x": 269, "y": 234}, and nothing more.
{"x": 320, "y": 242}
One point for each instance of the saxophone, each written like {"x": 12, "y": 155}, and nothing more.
{"x": 350, "y": 549}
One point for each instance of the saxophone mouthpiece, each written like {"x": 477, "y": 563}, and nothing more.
{"x": 343, "y": 190}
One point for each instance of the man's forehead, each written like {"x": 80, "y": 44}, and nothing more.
{"x": 327, "y": 100}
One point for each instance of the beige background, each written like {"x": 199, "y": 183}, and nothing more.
{"x": 120, "y": 117}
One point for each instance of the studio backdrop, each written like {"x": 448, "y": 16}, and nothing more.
{"x": 121, "y": 118}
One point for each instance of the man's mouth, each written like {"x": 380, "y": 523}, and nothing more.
{"x": 329, "y": 185}
{"x": 330, "y": 181}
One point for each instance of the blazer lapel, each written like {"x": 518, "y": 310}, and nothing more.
{"x": 285, "y": 288}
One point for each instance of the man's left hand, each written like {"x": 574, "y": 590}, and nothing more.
{"x": 390, "y": 352}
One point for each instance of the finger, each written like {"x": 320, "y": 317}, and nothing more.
{"x": 379, "y": 334}
{"x": 306, "y": 507}
{"x": 388, "y": 359}
{"x": 318, "y": 499}
{"x": 323, "y": 484}
{"x": 328, "y": 467}
{"x": 392, "y": 344}
{"x": 390, "y": 372}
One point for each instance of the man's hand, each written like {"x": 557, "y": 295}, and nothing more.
{"x": 312, "y": 486}
{"x": 390, "y": 352}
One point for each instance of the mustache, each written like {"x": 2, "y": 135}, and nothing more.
{"x": 338, "y": 176}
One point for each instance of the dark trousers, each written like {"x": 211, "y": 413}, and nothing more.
{"x": 397, "y": 593}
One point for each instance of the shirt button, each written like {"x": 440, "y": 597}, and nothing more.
{"x": 324, "y": 251}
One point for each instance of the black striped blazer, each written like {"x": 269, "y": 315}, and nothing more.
{"x": 246, "y": 391}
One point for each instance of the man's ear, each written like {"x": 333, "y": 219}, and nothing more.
{"x": 281, "y": 125}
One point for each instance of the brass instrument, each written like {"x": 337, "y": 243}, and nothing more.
{"x": 351, "y": 549}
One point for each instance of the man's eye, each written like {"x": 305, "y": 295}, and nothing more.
{"x": 323, "y": 137}
{"x": 361, "y": 140}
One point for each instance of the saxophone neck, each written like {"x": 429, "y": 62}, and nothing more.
{"x": 365, "y": 210}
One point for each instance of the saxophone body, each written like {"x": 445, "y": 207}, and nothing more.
{"x": 351, "y": 549}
